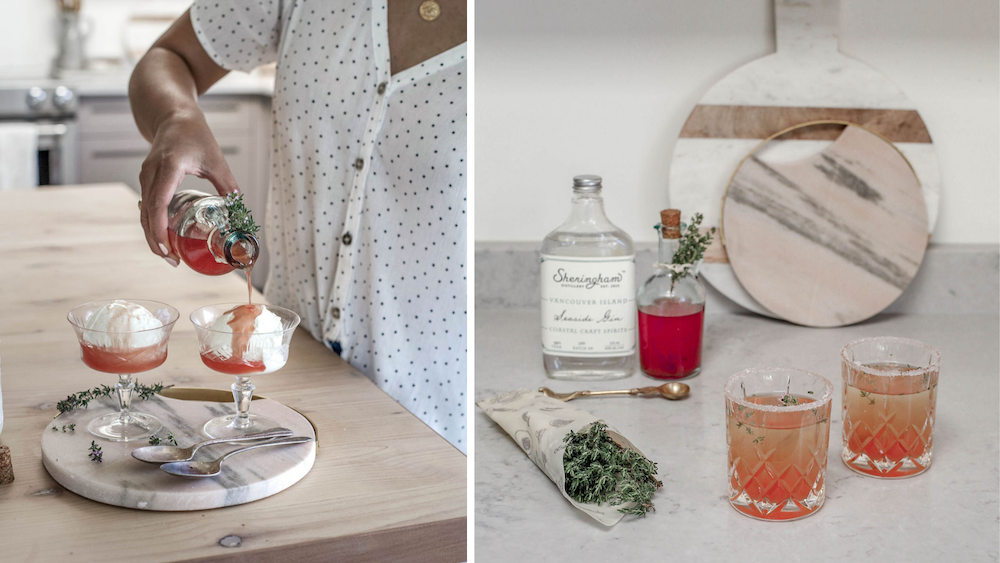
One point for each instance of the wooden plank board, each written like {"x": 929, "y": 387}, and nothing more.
{"x": 384, "y": 485}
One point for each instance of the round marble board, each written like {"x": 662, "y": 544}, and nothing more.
{"x": 831, "y": 239}
{"x": 806, "y": 79}
{"x": 122, "y": 480}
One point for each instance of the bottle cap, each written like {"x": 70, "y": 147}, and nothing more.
{"x": 671, "y": 219}
{"x": 587, "y": 183}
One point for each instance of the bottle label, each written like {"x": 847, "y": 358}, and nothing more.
{"x": 588, "y": 306}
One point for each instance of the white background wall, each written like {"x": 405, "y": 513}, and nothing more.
{"x": 592, "y": 86}
{"x": 28, "y": 31}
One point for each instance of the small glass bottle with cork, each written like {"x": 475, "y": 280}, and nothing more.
{"x": 671, "y": 302}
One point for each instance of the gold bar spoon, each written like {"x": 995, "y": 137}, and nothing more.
{"x": 672, "y": 390}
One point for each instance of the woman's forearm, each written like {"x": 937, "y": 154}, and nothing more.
{"x": 162, "y": 87}
{"x": 168, "y": 80}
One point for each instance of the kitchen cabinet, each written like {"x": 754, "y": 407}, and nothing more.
{"x": 110, "y": 148}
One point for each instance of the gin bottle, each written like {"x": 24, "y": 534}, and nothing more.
{"x": 588, "y": 292}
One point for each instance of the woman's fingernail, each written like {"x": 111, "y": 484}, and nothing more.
{"x": 164, "y": 250}
{"x": 170, "y": 261}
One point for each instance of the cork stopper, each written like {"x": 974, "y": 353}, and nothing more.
{"x": 671, "y": 219}
{"x": 6, "y": 467}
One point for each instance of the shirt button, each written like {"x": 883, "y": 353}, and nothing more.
{"x": 381, "y": 88}
{"x": 335, "y": 312}
{"x": 346, "y": 239}
{"x": 359, "y": 163}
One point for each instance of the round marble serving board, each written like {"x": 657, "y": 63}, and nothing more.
{"x": 806, "y": 79}
{"x": 831, "y": 239}
{"x": 121, "y": 480}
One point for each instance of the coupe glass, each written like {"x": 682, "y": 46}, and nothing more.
{"x": 124, "y": 354}
{"x": 242, "y": 354}
{"x": 778, "y": 423}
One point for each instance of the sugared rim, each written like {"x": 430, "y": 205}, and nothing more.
{"x": 734, "y": 379}
{"x": 234, "y": 305}
{"x": 933, "y": 366}
{"x": 174, "y": 315}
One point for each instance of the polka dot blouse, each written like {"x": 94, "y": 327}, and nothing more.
{"x": 366, "y": 216}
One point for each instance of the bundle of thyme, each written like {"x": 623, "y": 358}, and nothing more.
{"x": 238, "y": 216}
{"x": 692, "y": 245}
{"x": 83, "y": 398}
{"x": 599, "y": 470}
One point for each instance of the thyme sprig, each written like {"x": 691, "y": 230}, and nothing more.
{"x": 155, "y": 440}
{"x": 788, "y": 400}
{"x": 71, "y": 427}
{"x": 95, "y": 452}
{"x": 599, "y": 470}
{"x": 692, "y": 244}
{"x": 239, "y": 217}
{"x": 83, "y": 398}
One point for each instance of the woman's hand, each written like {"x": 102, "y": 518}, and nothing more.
{"x": 181, "y": 146}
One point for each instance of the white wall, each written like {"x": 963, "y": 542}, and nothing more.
{"x": 29, "y": 31}
{"x": 591, "y": 86}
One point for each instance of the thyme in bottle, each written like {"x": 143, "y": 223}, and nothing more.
{"x": 692, "y": 244}
{"x": 599, "y": 470}
{"x": 239, "y": 217}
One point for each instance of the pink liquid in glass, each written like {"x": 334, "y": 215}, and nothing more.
{"x": 670, "y": 339}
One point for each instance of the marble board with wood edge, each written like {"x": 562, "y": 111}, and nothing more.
{"x": 831, "y": 239}
{"x": 806, "y": 79}
{"x": 121, "y": 480}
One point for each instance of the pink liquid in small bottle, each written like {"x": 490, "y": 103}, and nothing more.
{"x": 670, "y": 334}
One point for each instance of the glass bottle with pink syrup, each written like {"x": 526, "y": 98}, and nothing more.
{"x": 671, "y": 307}
{"x": 213, "y": 235}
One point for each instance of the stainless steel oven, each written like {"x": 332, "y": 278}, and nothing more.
{"x": 52, "y": 108}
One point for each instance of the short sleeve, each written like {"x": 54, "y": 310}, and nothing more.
{"x": 239, "y": 34}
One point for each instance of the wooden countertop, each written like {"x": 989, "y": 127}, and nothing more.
{"x": 384, "y": 486}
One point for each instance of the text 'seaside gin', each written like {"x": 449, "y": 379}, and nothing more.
{"x": 588, "y": 292}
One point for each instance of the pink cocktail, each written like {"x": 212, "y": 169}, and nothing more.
{"x": 124, "y": 338}
{"x": 243, "y": 340}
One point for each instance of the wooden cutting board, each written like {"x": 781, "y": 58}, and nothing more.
{"x": 806, "y": 79}
{"x": 831, "y": 239}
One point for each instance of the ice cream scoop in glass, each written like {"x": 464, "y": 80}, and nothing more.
{"x": 243, "y": 340}
{"x": 123, "y": 337}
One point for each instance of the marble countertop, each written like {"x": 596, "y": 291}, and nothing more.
{"x": 950, "y": 510}
{"x": 116, "y": 83}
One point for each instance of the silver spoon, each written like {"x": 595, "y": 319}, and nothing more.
{"x": 166, "y": 454}
{"x": 213, "y": 468}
